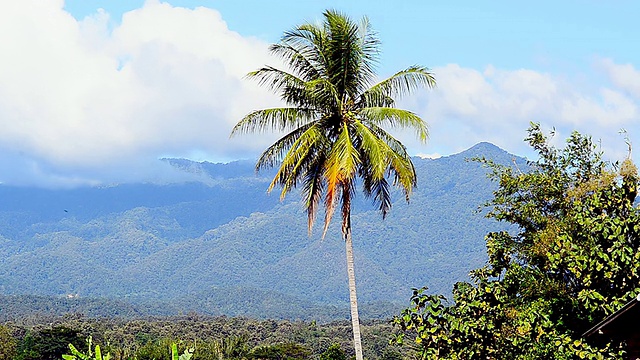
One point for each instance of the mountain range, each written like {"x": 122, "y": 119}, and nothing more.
{"x": 221, "y": 245}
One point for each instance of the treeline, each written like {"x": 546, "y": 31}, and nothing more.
{"x": 149, "y": 243}
{"x": 46, "y": 337}
{"x": 233, "y": 302}
{"x": 569, "y": 261}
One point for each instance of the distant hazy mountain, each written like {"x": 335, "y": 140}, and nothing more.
{"x": 224, "y": 246}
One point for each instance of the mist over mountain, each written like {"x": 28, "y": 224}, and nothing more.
{"x": 222, "y": 245}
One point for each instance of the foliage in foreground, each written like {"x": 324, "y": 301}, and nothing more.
{"x": 206, "y": 338}
{"x": 570, "y": 261}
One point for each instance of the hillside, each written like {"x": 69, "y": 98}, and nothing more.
{"x": 223, "y": 246}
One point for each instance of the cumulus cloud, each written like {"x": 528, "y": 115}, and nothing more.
{"x": 624, "y": 76}
{"x": 95, "y": 101}
{"x": 496, "y": 105}
{"x": 80, "y": 96}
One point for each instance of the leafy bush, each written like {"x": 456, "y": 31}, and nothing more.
{"x": 285, "y": 351}
{"x": 49, "y": 343}
{"x": 570, "y": 261}
{"x": 8, "y": 345}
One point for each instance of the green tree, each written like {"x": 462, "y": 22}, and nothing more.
{"x": 334, "y": 124}
{"x": 333, "y": 352}
{"x": 230, "y": 347}
{"x": 49, "y": 343}
{"x": 8, "y": 344}
{"x": 570, "y": 261}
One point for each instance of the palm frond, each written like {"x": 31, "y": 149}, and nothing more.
{"x": 293, "y": 90}
{"x": 334, "y": 120}
{"x": 310, "y": 40}
{"x": 313, "y": 188}
{"x": 276, "y": 79}
{"x": 399, "y": 161}
{"x": 303, "y": 60}
{"x": 345, "y": 55}
{"x": 298, "y": 157}
{"x": 302, "y": 48}
{"x": 379, "y": 188}
{"x": 375, "y": 99}
{"x": 322, "y": 94}
{"x": 340, "y": 168}
{"x": 404, "y": 173}
{"x": 400, "y": 84}
{"x": 397, "y": 118}
{"x": 276, "y": 119}
{"x": 394, "y": 144}
{"x": 376, "y": 158}
{"x": 370, "y": 45}
{"x": 372, "y": 150}
{"x": 275, "y": 153}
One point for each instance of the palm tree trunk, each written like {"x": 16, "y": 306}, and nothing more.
{"x": 353, "y": 299}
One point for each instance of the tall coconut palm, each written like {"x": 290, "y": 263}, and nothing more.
{"x": 334, "y": 124}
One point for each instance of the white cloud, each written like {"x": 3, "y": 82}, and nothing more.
{"x": 93, "y": 101}
{"x": 429, "y": 156}
{"x": 624, "y": 76}
{"x": 496, "y": 105}
{"x": 166, "y": 81}
{"x": 611, "y": 109}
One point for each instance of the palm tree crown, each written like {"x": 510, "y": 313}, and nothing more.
{"x": 334, "y": 124}
{"x": 335, "y": 118}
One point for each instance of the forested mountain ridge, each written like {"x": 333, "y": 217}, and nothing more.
{"x": 222, "y": 245}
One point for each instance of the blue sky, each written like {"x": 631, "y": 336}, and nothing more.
{"x": 95, "y": 91}
{"x": 551, "y": 35}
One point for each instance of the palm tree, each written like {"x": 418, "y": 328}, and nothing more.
{"x": 334, "y": 123}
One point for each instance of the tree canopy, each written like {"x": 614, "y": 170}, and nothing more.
{"x": 570, "y": 260}
{"x": 336, "y": 116}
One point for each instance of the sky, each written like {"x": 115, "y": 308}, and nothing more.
{"x": 95, "y": 92}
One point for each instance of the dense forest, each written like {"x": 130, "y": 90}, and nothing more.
{"x": 566, "y": 262}
{"x": 41, "y": 337}
{"x": 222, "y": 246}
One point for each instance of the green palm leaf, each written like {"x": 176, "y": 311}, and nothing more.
{"x": 334, "y": 124}
{"x": 298, "y": 158}
{"x": 274, "y": 154}
{"x": 400, "y": 84}
{"x": 396, "y": 118}
{"x": 278, "y": 119}
{"x": 340, "y": 170}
